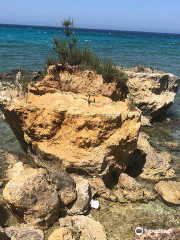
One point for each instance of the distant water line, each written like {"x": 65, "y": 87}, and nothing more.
{"x": 27, "y": 47}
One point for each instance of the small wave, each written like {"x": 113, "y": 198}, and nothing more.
{"x": 87, "y": 40}
{"x": 110, "y": 33}
{"x": 39, "y": 31}
{"x": 45, "y": 32}
{"x": 29, "y": 28}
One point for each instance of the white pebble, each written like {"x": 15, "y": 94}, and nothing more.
{"x": 95, "y": 204}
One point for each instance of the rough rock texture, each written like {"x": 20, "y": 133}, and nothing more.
{"x": 32, "y": 198}
{"x": 70, "y": 79}
{"x": 64, "y": 184}
{"x": 174, "y": 234}
{"x": 22, "y": 232}
{"x": 10, "y": 87}
{"x": 81, "y": 205}
{"x": 82, "y": 228}
{"x": 152, "y": 91}
{"x": 148, "y": 164}
{"x": 129, "y": 190}
{"x": 15, "y": 170}
{"x": 61, "y": 234}
{"x": 68, "y": 130}
{"x": 170, "y": 191}
{"x": 173, "y": 146}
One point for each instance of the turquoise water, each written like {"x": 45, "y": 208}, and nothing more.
{"x": 28, "y": 47}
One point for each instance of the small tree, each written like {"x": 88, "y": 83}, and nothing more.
{"x": 64, "y": 46}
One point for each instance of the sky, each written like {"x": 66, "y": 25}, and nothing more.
{"x": 130, "y": 15}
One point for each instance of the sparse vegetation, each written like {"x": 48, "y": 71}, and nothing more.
{"x": 68, "y": 52}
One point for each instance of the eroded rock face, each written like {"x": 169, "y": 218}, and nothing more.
{"x": 170, "y": 191}
{"x": 152, "y": 91}
{"x": 70, "y": 79}
{"x": 81, "y": 227}
{"x": 91, "y": 137}
{"x": 129, "y": 190}
{"x": 32, "y": 198}
{"x": 22, "y": 232}
{"x": 149, "y": 164}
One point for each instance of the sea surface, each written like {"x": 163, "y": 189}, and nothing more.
{"x": 28, "y": 47}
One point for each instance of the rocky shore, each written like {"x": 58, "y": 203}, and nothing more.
{"x": 85, "y": 139}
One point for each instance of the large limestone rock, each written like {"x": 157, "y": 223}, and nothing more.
{"x": 149, "y": 164}
{"x": 31, "y": 197}
{"x": 79, "y": 227}
{"x": 129, "y": 190}
{"x": 170, "y": 191}
{"x": 152, "y": 91}
{"x": 91, "y": 136}
{"x": 22, "y": 232}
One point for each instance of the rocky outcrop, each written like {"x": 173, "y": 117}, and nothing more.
{"x": 22, "y": 232}
{"x": 91, "y": 136}
{"x": 129, "y": 190}
{"x": 71, "y": 79}
{"x": 152, "y": 91}
{"x": 79, "y": 227}
{"x": 149, "y": 164}
{"x": 31, "y": 197}
{"x": 169, "y": 191}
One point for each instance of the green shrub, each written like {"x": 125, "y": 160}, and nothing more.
{"x": 68, "y": 53}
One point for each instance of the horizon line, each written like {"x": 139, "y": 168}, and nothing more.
{"x": 79, "y": 28}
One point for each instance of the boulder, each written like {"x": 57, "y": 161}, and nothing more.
{"x": 22, "y": 232}
{"x": 169, "y": 191}
{"x": 64, "y": 184}
{"x": 31, "y": 197}
{"x": 66, "y": 129}
{"x": 149, "y": 164}
{"x": 152, "y": 91}
{"x": 82, "y": 202}
{"x": 83, "y": 228}
{"x": 129, "y": 190}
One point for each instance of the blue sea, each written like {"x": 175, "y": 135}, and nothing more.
{"x": 27, "y": 47}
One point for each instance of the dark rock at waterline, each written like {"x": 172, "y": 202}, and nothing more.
{"x": 129, "y": 190}
{"x": 149, "y": 164}
{"x": 27, "y": 74}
